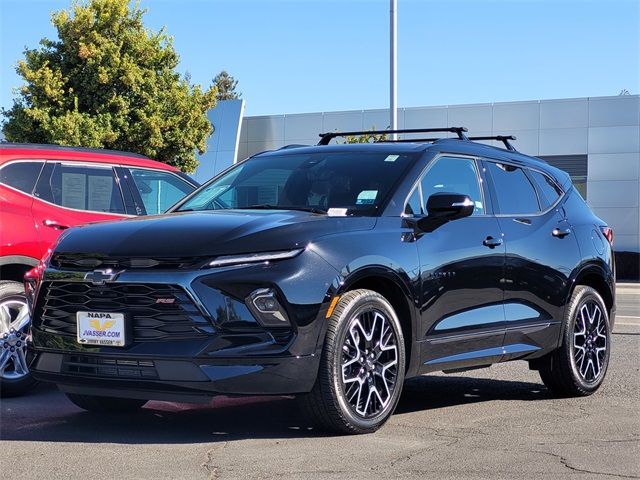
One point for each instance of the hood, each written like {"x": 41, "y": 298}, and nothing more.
{"x": 205, "y": 233}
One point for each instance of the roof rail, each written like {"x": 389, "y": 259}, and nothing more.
{"x": 410, "y": 140}
{"x": 325, "y": 138}
{"x": 68, "y": 148}
{"x": 293, "y": 145}
{"x": 501, "y": 138}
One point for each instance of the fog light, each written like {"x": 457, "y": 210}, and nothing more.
{"x": 264, "y": 305}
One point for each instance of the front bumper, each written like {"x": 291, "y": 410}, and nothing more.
{"x": 175, "y": 379}
{"x": 219, "y": 347}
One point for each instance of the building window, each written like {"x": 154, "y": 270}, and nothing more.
{"x": 575, "y": 166}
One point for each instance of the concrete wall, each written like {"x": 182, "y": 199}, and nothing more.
{"x": 606, "y": 129}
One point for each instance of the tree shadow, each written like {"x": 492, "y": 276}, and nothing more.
{"x": 47, "y": 416}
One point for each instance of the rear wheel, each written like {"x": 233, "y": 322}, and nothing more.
{"x": 579, "y": 366}
{"x": 362, "y": 366}
{"x": 15, "y": 378}
{"x": 94, "y": 403}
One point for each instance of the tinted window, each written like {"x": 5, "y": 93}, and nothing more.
{"x": 515, "y": 193}
{"x": 414, "y": 204}
{"x": 548, "y": 191}
{"x": 86, "y": 188}
{"x": 21, "y": 175}
{"x": 159, "y": 190}
{"x": 356, "y": 181}
{"x": 454, "y": 175}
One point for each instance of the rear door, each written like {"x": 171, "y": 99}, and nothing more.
{"x": 541, "y": 252}
{"x": 69, "y": 194}
{"x": 18, "y": 235}
{"x": 462, "y": 267}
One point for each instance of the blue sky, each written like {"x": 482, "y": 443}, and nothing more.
{"x": 309, "y": 55}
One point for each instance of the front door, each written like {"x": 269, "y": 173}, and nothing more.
{"x": 462, "y": 267}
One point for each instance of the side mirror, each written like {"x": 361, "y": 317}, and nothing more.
{"x": 442, "y": 208}
{"x": 450, "y": 206}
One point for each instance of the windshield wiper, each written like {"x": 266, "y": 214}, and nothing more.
{"x": 266, "y": 206}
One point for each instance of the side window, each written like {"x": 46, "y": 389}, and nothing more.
{"x": 548, "y": 191}
{"x": 21, "y": 175}
{"x": 86, "y": 188}
{"x": 414, "y": 203}
{"x": 514, "y": 191}
{"x": 159, "y": 190}
{"x": 454, "y": 175}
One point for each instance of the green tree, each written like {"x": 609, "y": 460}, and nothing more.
{"x": 226, "y": 86}
{"x": 367, "y": 138}
{"x": 109, "y": 82}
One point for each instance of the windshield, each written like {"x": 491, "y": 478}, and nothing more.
{"x": 356, "y": 181}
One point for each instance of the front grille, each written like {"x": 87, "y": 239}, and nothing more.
{"x": 84, "y": 262}
{"x": 108, "y": 367}
{"x": 153, "y": 311}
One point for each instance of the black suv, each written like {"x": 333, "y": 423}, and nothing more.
{"x": 333, "y": 272}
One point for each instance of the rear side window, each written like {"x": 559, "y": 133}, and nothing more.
{"x": 21, "y": 175}
{"x": 86, "y": 188}
{"x": 515, "y": 193}
{"x": 159, "y": 190}
{"x": 548, "y": 191}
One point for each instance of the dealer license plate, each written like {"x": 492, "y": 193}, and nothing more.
{"x": 101, "y": 328}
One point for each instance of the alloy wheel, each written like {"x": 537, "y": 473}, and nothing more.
{"x": 369, "y": 363}
{"x": 590, "y": 341}
{"x": 14, "y": 323}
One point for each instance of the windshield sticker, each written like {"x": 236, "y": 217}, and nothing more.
{"x": 337, "y": 212}
{"x": 367, "y": 197}
{"x": 391, "y": 158}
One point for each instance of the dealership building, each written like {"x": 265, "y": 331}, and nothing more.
{"x": 596, "y": 140}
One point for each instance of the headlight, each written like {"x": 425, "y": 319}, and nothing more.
{"x": 225, "y": 260}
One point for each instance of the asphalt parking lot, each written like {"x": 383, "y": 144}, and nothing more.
{"x": 493, "y": 423}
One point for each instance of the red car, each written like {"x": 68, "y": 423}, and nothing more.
{"x": 45, "y": 189}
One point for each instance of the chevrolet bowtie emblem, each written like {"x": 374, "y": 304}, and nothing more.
{"x": 100, "y": 277}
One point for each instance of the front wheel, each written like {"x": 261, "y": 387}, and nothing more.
{"x": 97, "y": 404}
{"x": 15, "y": 378}
{"x": 362, "y": 366}
{"x": 579, "y": 366}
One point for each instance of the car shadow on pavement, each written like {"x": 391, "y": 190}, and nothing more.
{"x": 434, "y": 392}
{"x": 47, "y": 416}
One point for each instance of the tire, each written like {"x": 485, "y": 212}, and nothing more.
{"x": 364, "y": 402}
{"x": 96, "y": 404}
{"x": 578, "y": 367}
{"x": 15, "y": 378}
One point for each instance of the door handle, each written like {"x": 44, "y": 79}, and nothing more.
{"x": 492, "y": 242}
{"x": 560, "y": 232}
{"x": 55, "y": 225}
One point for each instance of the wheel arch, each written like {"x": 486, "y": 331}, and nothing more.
{"x": 600, "y": 277}
{"x": 396, "y": 290}
{"x": 13, "y": 267}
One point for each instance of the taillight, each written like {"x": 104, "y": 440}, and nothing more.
{"x": 31, "y": 280}
{"x": 33, "y": 277}
{"x": 608, "y": 234}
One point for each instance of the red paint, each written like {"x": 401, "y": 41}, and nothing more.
{"x": 22, "y": 216}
